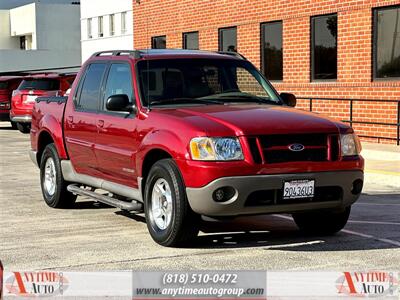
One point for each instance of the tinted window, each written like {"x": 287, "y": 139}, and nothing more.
{"x": 272, "y": 54}
{"x": 324, "y": 47}
{"x": 191, "y": 80}
{"x": 159, "y": 42}
{"x": 90, "y": 92}
{"x": 387, "y": 41}
{"x": 119, "y": 81}
{"x": 3, "y": 85}
{"x": 228, "y": 39}
{"x": 191, "y": 40}
{"x": 40, "y": 84}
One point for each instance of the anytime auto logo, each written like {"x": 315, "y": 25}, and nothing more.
{"x": 35, "y": 284}
{"x": 367, "y": 284}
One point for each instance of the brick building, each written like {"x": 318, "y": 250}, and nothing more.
{"x": 327, "y": 48}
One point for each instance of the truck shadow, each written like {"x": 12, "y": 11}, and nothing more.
{"x": 279, "y": 232}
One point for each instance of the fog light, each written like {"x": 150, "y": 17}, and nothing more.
{"x": 224, "y": 194}
{"x": 357, "y": 187}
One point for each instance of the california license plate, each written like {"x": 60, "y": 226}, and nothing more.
{"x": 298, "y": 189}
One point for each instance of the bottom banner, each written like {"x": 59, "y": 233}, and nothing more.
{"x": 252, "y": 285}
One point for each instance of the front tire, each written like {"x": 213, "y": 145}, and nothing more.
{"x": 23, "y": 127}
{"x": 169, "y": 218}
{"x": 13, "y": 125}
{"x": 54, "y": 188}
{"x": 322, "y": 222}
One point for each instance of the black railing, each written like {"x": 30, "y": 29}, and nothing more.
{"x": 351, "y": 120}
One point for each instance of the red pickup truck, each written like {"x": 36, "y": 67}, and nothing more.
{"x": 179, "y": 134}
{"x": 7, "y": 85}
{"x": 30, "y": 88}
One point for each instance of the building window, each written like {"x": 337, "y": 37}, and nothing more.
{"x": 324, "y": 47}
{"x": 89, "y": 28}
{"x": 228, "y": 39}
{"x": 159, "y": 42}
{"x": 387, "y": 42}
{"x": 100, "y": 27}
{"x": 191, "y": 40}
{"x": 123, "y": 22}
{"x": 272, "y": 50}
{"x": 112, "y": 25}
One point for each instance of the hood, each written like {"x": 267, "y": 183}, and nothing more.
{"x": 254, "y": 119}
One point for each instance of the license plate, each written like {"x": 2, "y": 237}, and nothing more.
{"x": 30, "y": 99}
{"x": 298, "y": 189}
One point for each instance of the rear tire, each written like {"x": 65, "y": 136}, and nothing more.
{"x": 23, "y": 127}
{"x": 322, "y": 222}
{"x": 13, "y": 125}
{"x": 170, "y": 220}
{"x": 54, "y": 187}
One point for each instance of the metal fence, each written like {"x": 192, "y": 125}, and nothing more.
{"x": 352, "y": 121}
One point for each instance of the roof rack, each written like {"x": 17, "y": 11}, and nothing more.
{"x": 134, "y": 53}
{"x": 231, "y": 53}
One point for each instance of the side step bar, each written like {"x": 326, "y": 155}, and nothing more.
{"x": 124, "y": 205}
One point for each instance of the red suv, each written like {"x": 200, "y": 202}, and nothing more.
{"x": 7, "y": 85}
{"x": 31, "y": 87}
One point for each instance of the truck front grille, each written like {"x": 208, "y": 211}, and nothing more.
{"x": 270, "y": 149}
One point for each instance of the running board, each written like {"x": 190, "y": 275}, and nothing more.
{"x": 124, "y": 205}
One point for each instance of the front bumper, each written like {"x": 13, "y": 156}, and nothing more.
{"x": 22, "y": 119}
{"x": 201, "y": 199}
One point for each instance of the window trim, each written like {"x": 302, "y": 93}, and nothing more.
{"x": 312, "y": 44}
{"x": 262, "y": 36}
{"x": 220, "y": 30}
{"x": 184, "y": 34}
{"x": 374, "y": 55}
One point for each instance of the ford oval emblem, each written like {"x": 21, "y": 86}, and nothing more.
{"x": 296, "y": 147}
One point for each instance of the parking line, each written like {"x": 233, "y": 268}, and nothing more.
{"x": 368, "y": 236}
{"x": 374, "y": 222}
{"x": 382, "y": 172}
{"x": 385, "y": 204}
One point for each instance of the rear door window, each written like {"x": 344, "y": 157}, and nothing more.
{"x": 90, "y": 91}
{"x": 3, "y": 85}
{"x": 40, "y": 84}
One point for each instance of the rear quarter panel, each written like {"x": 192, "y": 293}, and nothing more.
{"x": 48, "y": 118}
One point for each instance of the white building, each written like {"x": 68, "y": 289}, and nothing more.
{"x": 106, "y": 25}
{"x": 40, "y": 36}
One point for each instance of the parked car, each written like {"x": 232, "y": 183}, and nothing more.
{"x": 30, "y": 88}
{"x": 180, "y": 134}
{"x": 7, "y": 85}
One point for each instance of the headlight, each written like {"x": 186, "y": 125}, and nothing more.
{"x": 350, "y": 144}
{"x": 205, "y": 148}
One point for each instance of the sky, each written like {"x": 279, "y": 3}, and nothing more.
{"x": 7, "y": 4}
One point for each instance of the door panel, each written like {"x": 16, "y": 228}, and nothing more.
{"x": 81, "y": 121}
{"x": 116, "y": 142}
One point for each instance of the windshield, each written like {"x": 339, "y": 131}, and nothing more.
{"x": 40, "y": 84}
{"x": 202, "y": 81}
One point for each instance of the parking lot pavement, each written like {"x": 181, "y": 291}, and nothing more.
{"x": 95, "y": 237}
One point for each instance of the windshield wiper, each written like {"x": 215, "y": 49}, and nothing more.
{"x": 185, "y": 100}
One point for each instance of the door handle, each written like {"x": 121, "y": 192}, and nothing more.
{"x": 70, "y": 119}
{"x": 100, "y": 123}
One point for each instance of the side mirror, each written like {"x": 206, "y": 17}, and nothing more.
{"x": 120, "y": 103}
{"x": 289, "y": 99}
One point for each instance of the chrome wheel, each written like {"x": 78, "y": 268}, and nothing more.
{"x": 50, "y": 177}
{"x": 161, "y": 204}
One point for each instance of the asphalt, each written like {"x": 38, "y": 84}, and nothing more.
{"x": 95, "y": 237}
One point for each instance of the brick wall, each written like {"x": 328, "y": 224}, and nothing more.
{"x": 172, "y": 18}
